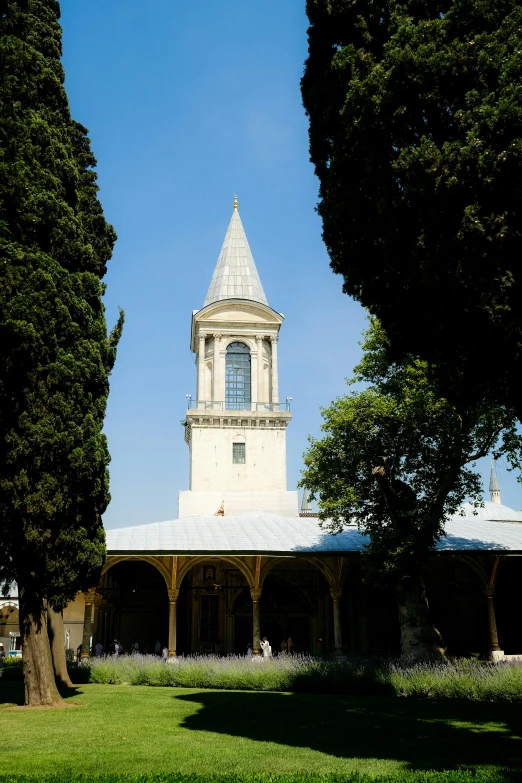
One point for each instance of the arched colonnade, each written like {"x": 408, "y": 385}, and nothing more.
{"x": 464, "y": 607}
{"x": 100, "y": 620}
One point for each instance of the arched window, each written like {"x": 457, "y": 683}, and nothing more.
{"x": 237, "y": 381}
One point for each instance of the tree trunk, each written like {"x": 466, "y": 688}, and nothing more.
{"x": 57, "y": 642}
{"x": 419, "y": 638}
{"x": 39, "y": 683}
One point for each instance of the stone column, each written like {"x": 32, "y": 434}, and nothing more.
{"x": 275, "y": 383}
{"x": 97, "y": 610}
{"x": 173, "y": 601}
{"x": 253, "y": 380}
{"x": 106, "y": 628}
{"x": 256, "y": 621}
{"x": 260, "y": 384}
{"x": 112, "y": 625}
{"x": 216, "y": 374}
{"x": 201, "y": 368}
{"x": 101, "y": 625}
{"x": 338, "y": 638}
{"x": 87, "y": 624}
{"x": 495, "y": 653}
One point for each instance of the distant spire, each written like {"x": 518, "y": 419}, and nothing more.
{"x": 494, "y": 486}
{"x": 235, "y": 275}
{"x": 306, "y": 506}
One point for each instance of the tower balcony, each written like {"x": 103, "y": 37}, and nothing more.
{"x": 230, "y": 405}
{"x": 212, "y": 414}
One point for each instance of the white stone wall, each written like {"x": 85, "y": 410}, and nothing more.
{"x": 231, "y": 504}
{"x": 212, "y": 469}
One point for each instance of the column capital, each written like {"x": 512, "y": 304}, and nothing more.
{"x": 336, "y": 593}
{"x": 274, "y": 338}
{"x": 217, "y": 335}
{"x": 90, "y": 595}
{"x": 260, "y": 337}
{"x": 173, "y": 596}
{"x": 255, "y": 594}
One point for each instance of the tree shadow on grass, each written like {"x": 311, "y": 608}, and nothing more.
{"x": 12, "y": 693}
{"x": 421, "y": 734}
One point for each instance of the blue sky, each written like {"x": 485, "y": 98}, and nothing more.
{"x": 186, "y": 105}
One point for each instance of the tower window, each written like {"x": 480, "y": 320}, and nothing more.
{"x": 237, "y": 381}
{"x": 238, "y": 454}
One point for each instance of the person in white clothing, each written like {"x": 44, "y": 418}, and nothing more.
{"x": 265, "y": 646}
{"x": 165, "y": 653}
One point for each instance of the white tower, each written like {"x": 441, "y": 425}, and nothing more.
{"x": 236, "y": 426}
{"x": 494, "y": 486}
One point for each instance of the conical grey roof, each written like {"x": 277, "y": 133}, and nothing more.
{"x": 494, "y": 486}
{"x": 235, "y": 275}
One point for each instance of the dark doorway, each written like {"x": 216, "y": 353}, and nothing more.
{"x": 140, "y": 599}
{"x": 285, "y": 611}
{"x": 242, "y": 611}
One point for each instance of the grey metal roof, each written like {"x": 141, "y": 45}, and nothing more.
{"x": 235, "y": 275}
{"x": 494, "y": 512}
{"x": 262, "y": 533}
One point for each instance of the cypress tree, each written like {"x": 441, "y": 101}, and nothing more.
{"x": 55, "y": 355}
{"x": 415, "y": 111}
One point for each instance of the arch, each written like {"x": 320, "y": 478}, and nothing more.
{"x": 227, "y": 341}
{"x": 112, "y": 560}
{"x": 238, "y": 376}
{"x": 9, "y": 603}
{"x": 236, "y": 562}
{"x": 322, "y": 567}
{"x": 472, "y": 564}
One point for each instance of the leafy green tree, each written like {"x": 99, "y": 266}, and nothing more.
{"x": 398, "y": 459}
{"x": 55, "y": 355}
{"x": 415, "y": 111}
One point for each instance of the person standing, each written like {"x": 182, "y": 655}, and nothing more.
{"x": 265, "y": 646}
{"x": 249, "y": 650}
{"x": 98, "y": 650}
{"x": 165, "y": 653}
{"x": 290, "y": 645}
{"x": 157, "y": 647}
{"x": 319, "y": 650}
{"x": 284, "y": 647}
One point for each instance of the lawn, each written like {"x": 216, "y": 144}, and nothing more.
{"x": 119, "y": 728}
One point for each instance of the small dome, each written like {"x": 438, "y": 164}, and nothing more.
{"x": 490, "y": 512}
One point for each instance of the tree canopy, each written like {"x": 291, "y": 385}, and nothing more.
{"x": 398, "y": 459}
{"x": 415, "y": 111}
{"x": 55, "y": 354}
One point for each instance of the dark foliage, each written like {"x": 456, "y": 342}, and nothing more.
{"x": 415, "y": 114}
{"x": 55, "y": 355}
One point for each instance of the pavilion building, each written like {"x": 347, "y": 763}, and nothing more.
{"x": 242, "y": 561}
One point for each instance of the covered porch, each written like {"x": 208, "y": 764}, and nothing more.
{"x": 204, "y": 585}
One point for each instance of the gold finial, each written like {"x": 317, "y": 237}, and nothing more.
{"x": 235, "y": 202}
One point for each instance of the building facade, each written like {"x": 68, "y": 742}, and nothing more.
{"x": 241, "y": 561}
